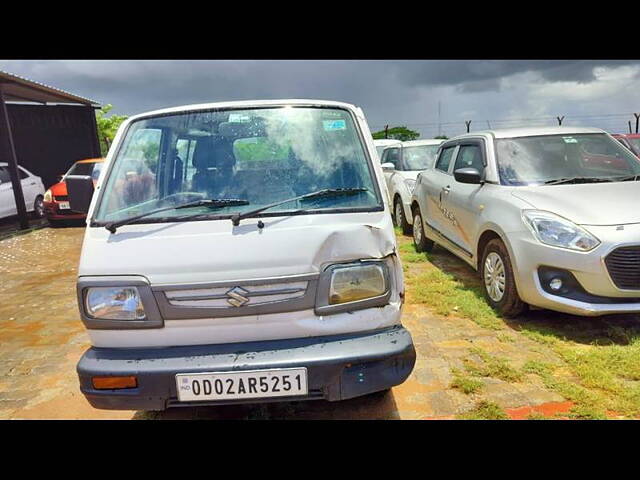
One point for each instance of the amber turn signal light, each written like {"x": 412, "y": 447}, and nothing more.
{"x": 113, "y": 383}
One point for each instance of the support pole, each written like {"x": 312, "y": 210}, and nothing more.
{"x": 637, "y": 115}
{"x": 93, "y": 132}
{"x": 7, "y": 137}
{"x": 386, "y": 131}
{"x": 468, "y": 124}
{"x": 560, "y": 119}
{"x": 630, "y": 131}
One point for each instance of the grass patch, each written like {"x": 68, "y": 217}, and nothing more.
{"x": 601, "y": 356}
{"x": 485, "y": 411}
{"x": 466, "y": 384}
{"x": 491, "y": 366}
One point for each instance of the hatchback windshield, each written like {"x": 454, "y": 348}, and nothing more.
{"x": 554, "y": 158}
{"x": 420, "y": 157}
{"x": 261, "y": 156}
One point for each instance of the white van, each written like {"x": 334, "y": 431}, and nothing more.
{"x": 239, "y": 252}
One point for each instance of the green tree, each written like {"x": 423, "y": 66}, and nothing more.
{"x": 107, "y": 127}
{"x": 442, "y": 137}
{"x": 401, "y": 133}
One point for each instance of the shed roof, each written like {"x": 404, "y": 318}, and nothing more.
{"x": 20, "y": 89}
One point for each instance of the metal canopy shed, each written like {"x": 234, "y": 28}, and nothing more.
{"x": 21, "y": 92}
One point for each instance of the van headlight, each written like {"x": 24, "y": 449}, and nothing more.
{"x": 411, "y": 184}
{"x": 114, "y": 303}
{"x": 352, "y": 286}
{"x": 552, "y": 229}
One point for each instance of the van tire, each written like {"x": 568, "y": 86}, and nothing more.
{"x": 399, "y": 217}
{"x": 508, "y": 304}
{"x": 420, "y": 240}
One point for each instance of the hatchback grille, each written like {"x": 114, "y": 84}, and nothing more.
{"x": 624, "y": 267}
{"x": 61, "y": 198}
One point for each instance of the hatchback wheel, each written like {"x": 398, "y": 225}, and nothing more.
{"x": 420, "y": 240}
{"x": 399, "y": 217}
{"x": 498, "y": 280}
{"x": 38, "y": 207}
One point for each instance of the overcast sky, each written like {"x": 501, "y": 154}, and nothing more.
{"x": 589, "y": 92}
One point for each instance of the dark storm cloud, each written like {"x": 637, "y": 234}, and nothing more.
{"x": 389, "y": 91}
{"x": 476, "y": 75}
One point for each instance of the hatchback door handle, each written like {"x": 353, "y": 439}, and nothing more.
{"x": 446, "y": 189}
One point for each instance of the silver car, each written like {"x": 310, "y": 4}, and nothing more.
{"x": 548, "y": 216}
{"x": 401, "y": 164}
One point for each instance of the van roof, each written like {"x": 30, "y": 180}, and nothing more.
{"x": 246, "y": 104}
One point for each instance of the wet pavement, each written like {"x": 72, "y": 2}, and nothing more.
{"x": 42, "y": 338}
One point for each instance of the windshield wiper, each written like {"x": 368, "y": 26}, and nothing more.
{"x": 560, "y": 181}
{"x": 633, "y": 178}
{"x": 211, "y": 202}
{"x": 326, "y": 193}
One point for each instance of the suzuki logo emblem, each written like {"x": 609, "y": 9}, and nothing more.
{"x": 237, "y": 296}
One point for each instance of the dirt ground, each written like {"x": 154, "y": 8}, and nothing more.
{"x": 464, "y": 368}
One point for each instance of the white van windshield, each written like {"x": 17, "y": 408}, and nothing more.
{"x": 260, "y": 156}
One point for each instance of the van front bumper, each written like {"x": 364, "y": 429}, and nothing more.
{"x": 338, "y": 367}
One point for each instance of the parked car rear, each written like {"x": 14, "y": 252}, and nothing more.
{"x": 32, "y": 189}
{"x": 56, "y": 200}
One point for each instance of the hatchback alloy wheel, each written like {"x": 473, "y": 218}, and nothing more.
{"x": 494, "y": 276}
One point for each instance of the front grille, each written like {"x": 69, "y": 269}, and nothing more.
{"x": 624, "y": 267}
{"x": 61, "y": 198}
{"x": 236, "y": 299}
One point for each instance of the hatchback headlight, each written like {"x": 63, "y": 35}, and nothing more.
{"x": 411, "y": 184}
{"x": 357, "y": 282}
{"x": 551, "y": 229}
{"x": 114, "y": 303}
{"x": 48, "y": 197}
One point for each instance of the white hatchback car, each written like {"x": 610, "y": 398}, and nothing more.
{"x": 401, "y": 165}
{"x": 32, "y": 189}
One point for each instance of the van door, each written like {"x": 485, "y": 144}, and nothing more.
{"x": 464, "y": 200}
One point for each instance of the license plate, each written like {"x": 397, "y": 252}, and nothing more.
{"x": 282, "y": 382}
{"x": 63, "y": 205}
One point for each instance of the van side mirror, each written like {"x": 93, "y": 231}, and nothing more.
{"x": 468, "y": 175}
{"x": 80, "y": 191}
{"x": 388, "y": 166}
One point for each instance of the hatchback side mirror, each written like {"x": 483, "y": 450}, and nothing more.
{"x": 468, "y": 175}
{"x": 388, "y": 166}
{"x": 80, "y": 191}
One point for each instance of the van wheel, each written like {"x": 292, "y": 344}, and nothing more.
{"x": 38, "y": 207}
{"x": 420, "y": 240}
{"x": 399, "y": 217}
{"x": 498, "y": 280}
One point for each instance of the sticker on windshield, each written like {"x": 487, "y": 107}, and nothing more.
{"x": 239, "y": 118}
{"x": 330, "y": 125}
{"x": 569, "y": 140}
